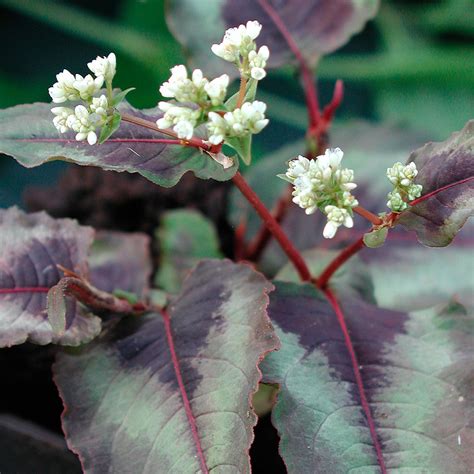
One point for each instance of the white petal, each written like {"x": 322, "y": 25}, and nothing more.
{"x": 330, "y": 230}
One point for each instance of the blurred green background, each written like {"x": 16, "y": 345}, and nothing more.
{"x": 413, "y": 66}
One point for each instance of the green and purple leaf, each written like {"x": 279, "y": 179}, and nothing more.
{"x": 171, "y": 392}
{"x": 27, "y": 134}
{"x": 184, "y": 237}
{"x": 315, "y": 28}
{"x": 366, "y": 389}
{"x": 446, "y": 172}
{"x": 32, "y": 247}
{"x": 121, "y": 261}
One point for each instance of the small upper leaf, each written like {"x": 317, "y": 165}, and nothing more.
{"x": 437, "y": 219}
{"x": 317, "y": 27}
{"x": 27, "y": 133}
{"x": 184, "y": 238}
{"x": 32, "y": 247}
{"x": 171, "y": 392}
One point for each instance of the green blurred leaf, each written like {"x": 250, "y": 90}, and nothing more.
{"x": 184, "y": 237}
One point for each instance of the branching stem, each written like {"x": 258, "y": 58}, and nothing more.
{"x": 273, "y": 226}
{"x": 371, "y": 217}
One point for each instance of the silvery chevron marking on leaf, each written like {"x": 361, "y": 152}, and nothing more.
{"x": 238, "y": 46}
{"x": 405, "y": 189}
{"x": 322, "y": 184}
{"x": 94, "y": 112}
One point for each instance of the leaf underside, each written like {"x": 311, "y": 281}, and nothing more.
{"x": 170, "y": 392}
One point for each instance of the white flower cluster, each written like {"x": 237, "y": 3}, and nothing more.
{"x": 405, "y": 189}
{"x": 86, "y": 118}
{"x": 248, "y": 119}
{"x": 197, "y": 90}
{"x": 198, "y": 100}
{"x": 323, "y": 184}
{"x": 238, "y": 46}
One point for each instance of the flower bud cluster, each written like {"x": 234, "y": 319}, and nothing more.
{"x": 248, "y": 119}
{"x": 238, "y": 46}
{"x": 197, "y": 100}
{"x": 405, "y": 190}
{"x": 323, "y": 184}
{"x": 85, "y": 118}
{"x": 198, "y": 93}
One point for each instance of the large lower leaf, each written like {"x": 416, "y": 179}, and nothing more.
{"x": 184, "y": 238}
{"x": 27, "y": 133}
{"x": 171, "y": 392}
{"x": 318, "y": 27}
{"x": 445, "y": 169}
{"x": 400, "y": 402}
{"x": 32, "y": 247}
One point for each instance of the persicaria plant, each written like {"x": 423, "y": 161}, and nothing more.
{"x": 356, "y": 334}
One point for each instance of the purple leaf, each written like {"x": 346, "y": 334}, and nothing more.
{"x": 369, "y": 389}
{"x": 27, "y": 134}
{"x": 317, "y": 27}
{"x": 32, "y": 247}
{"x": 446, "y": 172}
{"x": 121, "y": 261}
{"x": 171, "y": 392}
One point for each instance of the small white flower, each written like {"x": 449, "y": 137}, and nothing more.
{"x": 331, "y": 159}
{"x": 64, "y": 89}
{"x": 61, "y": 116}
{"x": 414, "y": 191}
{"x": 217, "y": 128}
{"x": 257, "y": 62}
{"x": 184, "y": 119}
{"x": 323, "y": 184}
{"x": 402, "y": 176}
{"x": 250, "y": 118}
{"x": 84, "y": 124}
{"x": 238, "y": 42}
{"x": 87, "y": 86}
{"x": 217, "y": 89}
{"x": 336, "y": 217}
{"x": 100, "y": 105}
{"x": 396, "y": 202}
{"x": 104, "y": 67}
{"x": 184, "y": 129}
{"x": 180, "y": 87}
{"x": 297, "y": 167}
{"x": 226, "y": 51}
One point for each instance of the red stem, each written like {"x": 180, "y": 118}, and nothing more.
{"x": 182, "y": 389}
{"x": 436, "y": 191}
{"x": 194, "y": 142}
{"x": 273, "y": 226}
{"x": 259, "y": 242}
{"x": 167, "y": 141}
{"x": 26, "y": 289}
{"x": 360, "y": 385}
{"x": 368, "y": 215}
{"x": 306, "y": 73}
{"x": 340, "y": 259}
